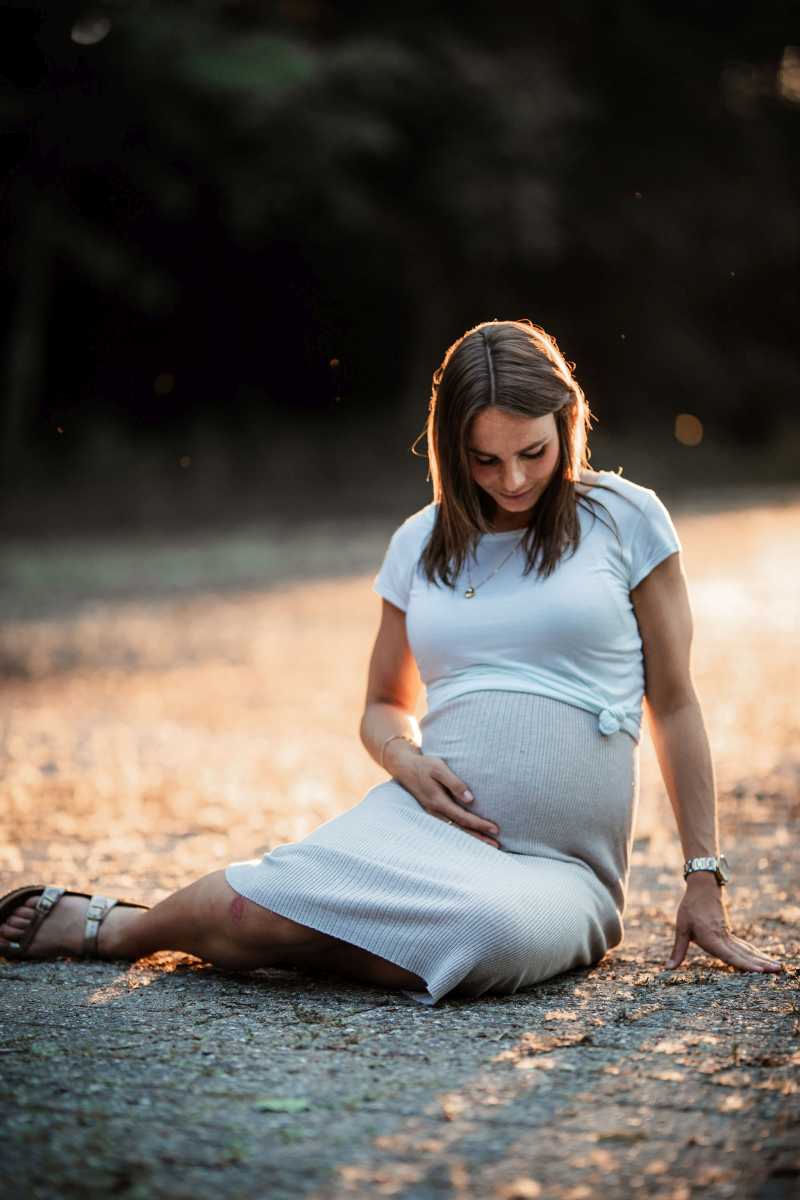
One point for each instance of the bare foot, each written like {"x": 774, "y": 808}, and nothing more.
{"x": 61, "y": 932}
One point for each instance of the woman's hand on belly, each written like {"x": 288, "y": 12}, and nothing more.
{"x": 435, "y": 787}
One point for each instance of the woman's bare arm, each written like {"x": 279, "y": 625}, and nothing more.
{"x": 661, "y": 603}
{"x": 392, "y": 688}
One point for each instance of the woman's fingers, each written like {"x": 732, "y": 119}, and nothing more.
{"x": 489, "y": 841}
{"x": 678, "y": 951}
{"x": 449, "y": 810}
{"x": 727, "y": 948}
{"x": 445, "y": 783}
{"x": 442, "y": 774}
{"x": 736, "y": 951}
{"x": 713, "y": 934}
{"x": 749, "y": 946}
{"x": 460, "y": 819}
{"x": 761, "y": 955}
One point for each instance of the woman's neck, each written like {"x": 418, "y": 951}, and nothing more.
{"x": 506, "y": 522}
{"x": 495, "y": 528}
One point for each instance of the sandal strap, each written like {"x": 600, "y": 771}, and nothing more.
{"x": 48, "y": 898}
{"x": 98, "y": 910}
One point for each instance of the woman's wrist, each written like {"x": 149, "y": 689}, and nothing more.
{"x": 398, "y": 752}
{"x": 701, "y": 879}
{"x": 393, "y": 737}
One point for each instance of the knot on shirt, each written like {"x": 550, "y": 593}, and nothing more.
{"x": 610, "y": 720}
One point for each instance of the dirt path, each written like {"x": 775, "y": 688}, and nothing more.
{"x": 147, "y": 741}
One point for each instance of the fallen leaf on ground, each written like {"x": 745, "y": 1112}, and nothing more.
{"x": 281, "y": 1104}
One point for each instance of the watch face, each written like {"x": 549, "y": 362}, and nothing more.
{"x": 723, "y": 868}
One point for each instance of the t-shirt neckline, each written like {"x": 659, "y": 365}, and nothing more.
{"x": 505, "y": 534}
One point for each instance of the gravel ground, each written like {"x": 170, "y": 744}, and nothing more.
{"x": 148, "y": 741}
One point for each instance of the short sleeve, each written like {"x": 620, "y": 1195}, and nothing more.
{"x": 654, "y": 539}
{"x": 393, "y": 581}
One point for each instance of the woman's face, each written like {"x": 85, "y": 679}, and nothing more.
{"x": 512, "y": 458}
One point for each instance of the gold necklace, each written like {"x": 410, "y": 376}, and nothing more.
{"x": 472, "y": 589}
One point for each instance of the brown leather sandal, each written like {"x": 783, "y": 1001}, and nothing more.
{"x": 98, "y": 910}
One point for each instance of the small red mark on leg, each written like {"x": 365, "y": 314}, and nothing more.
{"x": 237, "y": 908}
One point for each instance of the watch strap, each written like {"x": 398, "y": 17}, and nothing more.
{"x": 716, "y": 864}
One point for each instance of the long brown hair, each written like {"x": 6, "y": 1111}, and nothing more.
{"x": 515, "y": 366}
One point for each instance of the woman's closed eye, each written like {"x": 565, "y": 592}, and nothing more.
{"x": 489, "y": 462}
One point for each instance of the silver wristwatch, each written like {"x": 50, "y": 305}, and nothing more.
{"x": 719, "y": 866}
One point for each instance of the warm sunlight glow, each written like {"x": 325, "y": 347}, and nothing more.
{"x": 789, "y": 74}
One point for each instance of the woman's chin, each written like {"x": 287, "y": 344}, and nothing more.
{"x": 516, "y": 508}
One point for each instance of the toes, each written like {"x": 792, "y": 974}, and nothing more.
{"x": 12, "y": 928}
{"x": 16, "y": 922}
{"x": 20, "y": 918}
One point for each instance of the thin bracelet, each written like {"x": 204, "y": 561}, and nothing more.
{"x": 405, "y": 736}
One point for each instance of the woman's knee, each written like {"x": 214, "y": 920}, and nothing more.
{"x": 250, "y": 924}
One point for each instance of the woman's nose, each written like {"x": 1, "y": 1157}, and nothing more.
{"x": 513, "y": 478}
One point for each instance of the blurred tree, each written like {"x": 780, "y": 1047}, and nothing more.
{"x": 692, "y": 229}
{"x": 232, "y": 195}
{"x": 393, "y": 161}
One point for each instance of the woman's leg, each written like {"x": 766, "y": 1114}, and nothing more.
{"x": 207, "y": 918}
{"x": 210, "y": 920}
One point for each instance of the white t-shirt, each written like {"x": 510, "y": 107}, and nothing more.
{"x": 572, "y": 636}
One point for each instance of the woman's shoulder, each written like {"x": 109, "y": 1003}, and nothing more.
{"x": 420, "y": 522}
{"x": 643, "y": 521}
{"x": 630, "y": 496}
{"x": 411, "y": 533}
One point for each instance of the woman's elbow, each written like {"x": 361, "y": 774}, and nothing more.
{"x": 667, "y": 699}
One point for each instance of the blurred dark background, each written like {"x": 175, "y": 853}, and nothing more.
{"x": 239, "y": 236}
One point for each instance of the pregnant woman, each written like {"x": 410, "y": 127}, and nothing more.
{"x": 540, "y": 602}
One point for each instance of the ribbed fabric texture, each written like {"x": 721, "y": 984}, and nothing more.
{"x": 392, "y": 878}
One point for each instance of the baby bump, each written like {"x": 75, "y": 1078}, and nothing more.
{"x": 543, "y": 772}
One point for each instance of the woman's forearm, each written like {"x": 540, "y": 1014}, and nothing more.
{"x": 381, "y": 721}
{"x": 684, "y": 756}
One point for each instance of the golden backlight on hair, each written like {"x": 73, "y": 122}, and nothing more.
{"x": 518, "y": 367}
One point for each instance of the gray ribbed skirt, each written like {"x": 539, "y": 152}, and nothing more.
{"x": 388, "y": 876}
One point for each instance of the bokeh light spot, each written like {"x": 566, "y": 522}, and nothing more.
{"x": 90, "y": 30}
{"x": 688, "y": 429}
{"x": 163, "y": 383}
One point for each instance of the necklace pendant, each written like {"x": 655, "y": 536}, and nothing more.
{"x": 469, "y": 593}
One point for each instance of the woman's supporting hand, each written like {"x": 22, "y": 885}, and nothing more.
{"x": 437, "y": 789}
{"x": 703, "y": 918}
